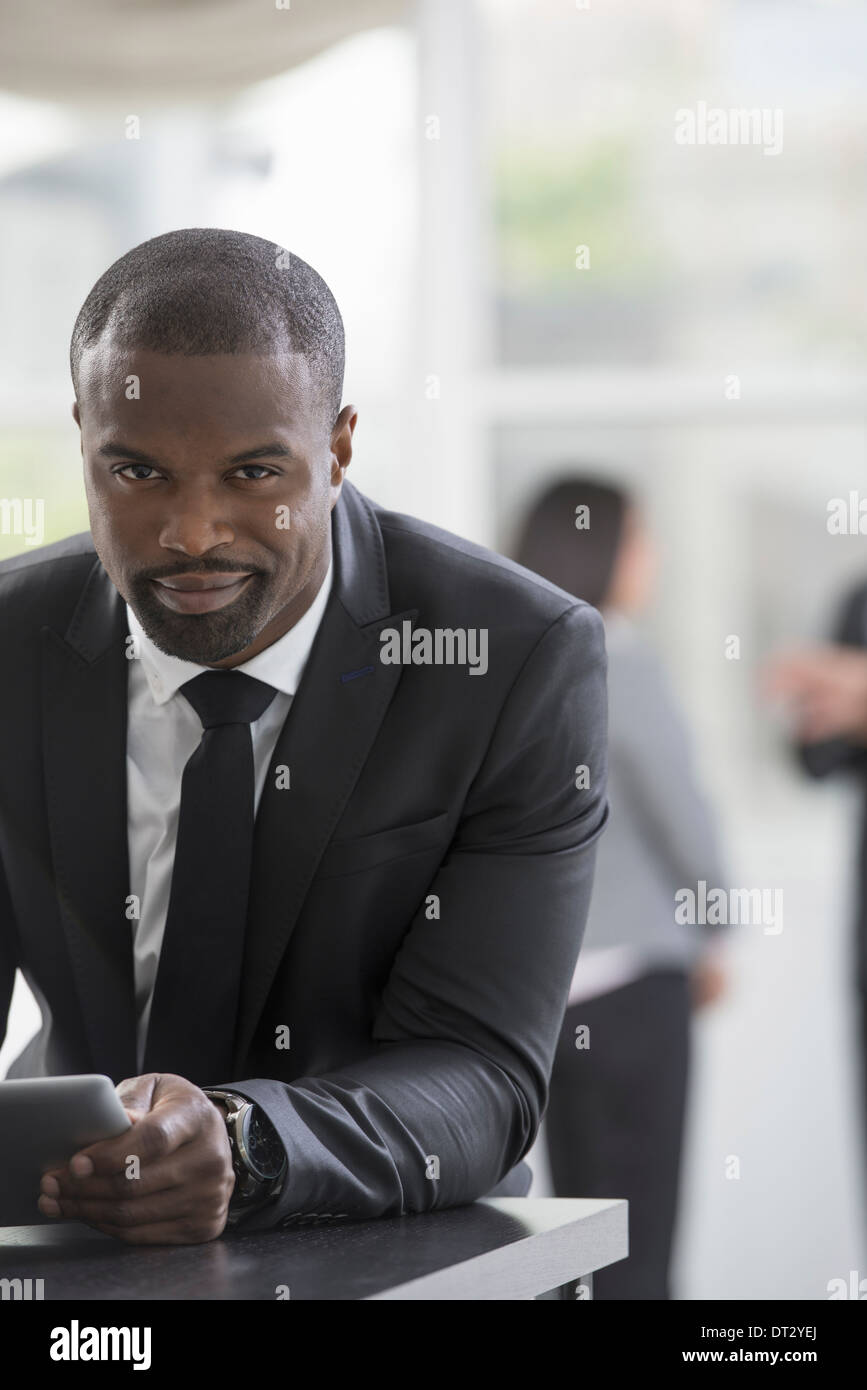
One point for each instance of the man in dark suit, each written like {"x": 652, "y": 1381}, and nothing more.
{"x": 826, "y": 687}
{"x": 319, "y": 931}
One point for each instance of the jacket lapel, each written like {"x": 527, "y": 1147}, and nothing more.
{"x": 84, "y": 714}
{"x": 334, "y": 718}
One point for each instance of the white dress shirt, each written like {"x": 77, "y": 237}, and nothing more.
{"x": 162, "y": 734}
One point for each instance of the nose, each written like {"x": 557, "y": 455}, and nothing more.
{"x": 192, "y": 534}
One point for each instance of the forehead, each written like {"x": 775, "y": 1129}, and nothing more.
{"x": 232, "y": 393}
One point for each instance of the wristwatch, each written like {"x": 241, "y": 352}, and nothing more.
{"x": 258, "y": 1156}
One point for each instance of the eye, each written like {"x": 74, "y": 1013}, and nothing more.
{"x": 145, "y": 466}
{"x": 256, "y": 467}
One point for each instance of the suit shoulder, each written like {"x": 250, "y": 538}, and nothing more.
{"x": 454, "y": 573}
{"x": 41, "y": 585}
{"x": 75, "y": 548}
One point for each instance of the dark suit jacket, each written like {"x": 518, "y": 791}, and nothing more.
{"x": 412, "y": 1036}
{"x": 838, "y": 755}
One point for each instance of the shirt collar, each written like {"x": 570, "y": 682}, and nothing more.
{"x": 281, "y": 665}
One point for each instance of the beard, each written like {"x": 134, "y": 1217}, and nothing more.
{"x": 204, "y": 638}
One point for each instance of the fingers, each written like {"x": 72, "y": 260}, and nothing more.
{"x": 785, "y": 671}
{"x": 145, "y": 1181}
{"x": 200, "y": 1190}
{"x": 196, "y": 1164}
{"x": 165, "y": 1211}
{"x": 177, "y": 1111}
{"x": 823, "y": 668}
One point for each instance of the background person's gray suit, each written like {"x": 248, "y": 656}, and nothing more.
{"x": 614, "y": 1123}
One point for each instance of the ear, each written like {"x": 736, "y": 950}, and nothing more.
{"x": 76, "y": 414}
{"x": 341, "y": 435}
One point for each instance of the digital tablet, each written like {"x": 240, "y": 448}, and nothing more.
{"x": 43, "y": 1122}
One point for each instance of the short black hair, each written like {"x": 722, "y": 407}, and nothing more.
{"x": 203, "y": 290}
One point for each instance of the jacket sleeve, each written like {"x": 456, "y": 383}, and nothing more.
{"x": 450, "y": 1096}
{"x": 8, "y": 954}
{"x": 837, "y": 754}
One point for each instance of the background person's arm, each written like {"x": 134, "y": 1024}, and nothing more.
{"x": 451, "y": 1095}
{"x": 831, "y": 755}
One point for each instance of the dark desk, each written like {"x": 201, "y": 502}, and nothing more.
{"x": 497, "y": 1248}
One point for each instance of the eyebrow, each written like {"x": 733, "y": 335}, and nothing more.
{"x": 117, "y": 450}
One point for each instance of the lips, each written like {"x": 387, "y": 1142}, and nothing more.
{"x": 199, "y": 593}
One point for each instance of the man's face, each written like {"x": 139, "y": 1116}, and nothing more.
{"x": 210, "y": 495}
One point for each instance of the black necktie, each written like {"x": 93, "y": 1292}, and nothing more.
{"x": 192, "y": 1020}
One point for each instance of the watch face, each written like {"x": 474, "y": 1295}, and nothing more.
{"x": 263, "y": 1144}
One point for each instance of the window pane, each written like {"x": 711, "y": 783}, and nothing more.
{"x": 696, "y": 252}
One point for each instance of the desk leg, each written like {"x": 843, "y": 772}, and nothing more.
{"x": 577, "y": 1290}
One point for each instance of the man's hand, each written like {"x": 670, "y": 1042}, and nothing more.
{"x": 827, "y": 688}
{"x": 178, "y": 1191}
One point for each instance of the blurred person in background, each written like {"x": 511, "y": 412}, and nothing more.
{"x": 825, "y": 688}
{"x": 615, "y": 1117}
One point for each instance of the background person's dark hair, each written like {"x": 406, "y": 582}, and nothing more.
{"x": 579, "y": 561}
{"x": 203, "y": 290}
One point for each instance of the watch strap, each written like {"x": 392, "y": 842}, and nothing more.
{"x": 241, "y": 1203}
